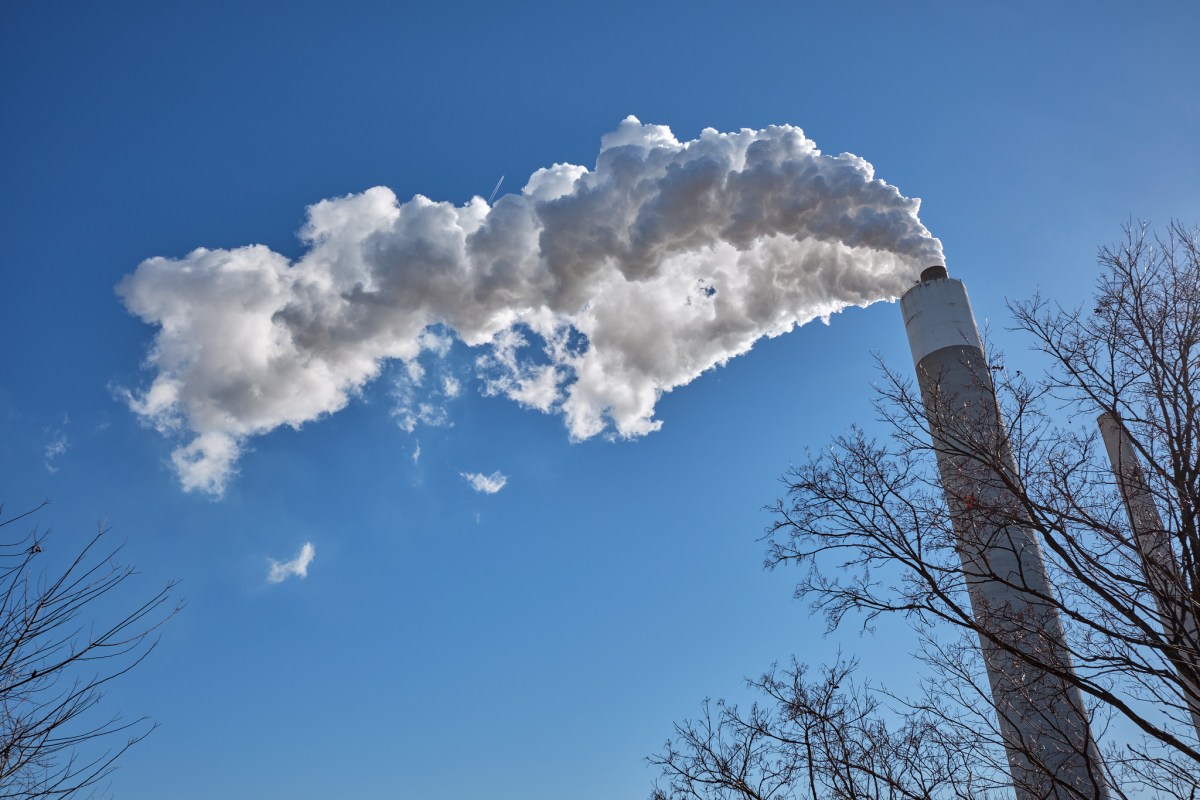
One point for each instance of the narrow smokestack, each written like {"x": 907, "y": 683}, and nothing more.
{"x": 1050, "y": 748}
{"x": 1159, "y": 565}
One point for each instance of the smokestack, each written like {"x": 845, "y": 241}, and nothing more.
{"x": 1159, "y": 565}
{"x": 1050, "y": 748}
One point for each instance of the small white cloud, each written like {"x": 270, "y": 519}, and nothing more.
{"x": 281, "y": 570}
{"x": 414, "y": 405}
{"x": 488, "y": 484}
{"x": 436, "y": 343}
{"x": 416, "y": 453}
{"x": 57, "y": 446}
{"x": 416, "y": 372}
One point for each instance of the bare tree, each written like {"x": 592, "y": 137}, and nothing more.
{"x": 828, "y": 737}
{"x": 877, "y": 530}
{"x": 57, "y": 653}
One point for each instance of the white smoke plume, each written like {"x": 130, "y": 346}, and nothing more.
{"x": 589, "y": 294}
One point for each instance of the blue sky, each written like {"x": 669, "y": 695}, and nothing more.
{"x": 536, "y": 642}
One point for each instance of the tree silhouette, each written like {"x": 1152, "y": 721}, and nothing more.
{"x": 57, "y": 653}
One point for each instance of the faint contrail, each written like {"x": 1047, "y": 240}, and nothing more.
{"x": 492, "y": 196}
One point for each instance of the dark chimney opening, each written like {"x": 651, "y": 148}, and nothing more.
{"x": 934, "y": 273}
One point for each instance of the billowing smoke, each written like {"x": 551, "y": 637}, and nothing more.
{"x": 588, "y": 294}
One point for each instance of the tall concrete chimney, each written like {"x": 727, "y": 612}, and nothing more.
{"x": 1159, "y": 565}
{"x": 1051, "y": 752}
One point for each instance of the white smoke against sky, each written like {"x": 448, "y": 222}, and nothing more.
{"x": 589, "y": 294}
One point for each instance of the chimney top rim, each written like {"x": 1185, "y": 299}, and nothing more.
{"x": 934, "y": 272}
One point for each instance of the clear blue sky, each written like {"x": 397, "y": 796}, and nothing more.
{"x": 538, "y": 642}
